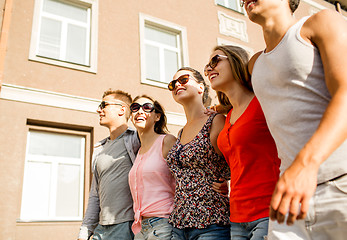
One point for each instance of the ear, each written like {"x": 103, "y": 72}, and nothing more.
{"x": 201, "y": 88}
{"x": 157, "y": 117}
{"x": 122, "y": 111}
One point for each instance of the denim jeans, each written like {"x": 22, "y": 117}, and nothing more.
{"x": 120, "y": 231}
{"x": 255, "y": 230}
{"x": 212, "y": 232}
{"x": 155, "y": 228}
{"x": 326, "y": 217}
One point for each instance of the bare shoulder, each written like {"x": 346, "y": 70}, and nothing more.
{"x": 216, "y": 128}
{"x": 324, "y": 17}
{"x": 217, "y": 124}
{"x": 218, "y": 119}
{"x": 168, "y": 143}
{"x": 251, "y": 62}
{"x": 169, "y": 140}
{"x": 324, "y": 25}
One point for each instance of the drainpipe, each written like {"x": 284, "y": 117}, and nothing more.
{"x": 4, "y": 31}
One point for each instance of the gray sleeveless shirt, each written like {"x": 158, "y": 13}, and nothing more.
{"x": 290, "y": 86}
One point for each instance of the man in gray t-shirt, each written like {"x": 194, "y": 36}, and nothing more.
{"x": 109, "y": 213}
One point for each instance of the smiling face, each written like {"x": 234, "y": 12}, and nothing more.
{"x": 143, "y": 120}
{"x": 189, "y": 90}
{"x": 221, "y": 75}
{"x": 260, "y": 10}
{"x": 249, "y": 4}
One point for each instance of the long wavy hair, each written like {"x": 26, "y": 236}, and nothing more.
{"x": 238, "y": 60}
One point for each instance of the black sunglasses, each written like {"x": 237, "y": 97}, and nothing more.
{"x": 213, "y": 62}
{"x": 104, "y": 104}
{"x": 182, "y": 80}
{"x": 147, "y": 107}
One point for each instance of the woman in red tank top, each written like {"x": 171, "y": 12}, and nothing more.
{"x": 245, "y": 142}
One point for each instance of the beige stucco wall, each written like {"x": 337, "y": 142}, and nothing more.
{"x": 118, "y": 67}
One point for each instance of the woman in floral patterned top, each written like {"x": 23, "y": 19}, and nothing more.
{"x": 196, "y": 162}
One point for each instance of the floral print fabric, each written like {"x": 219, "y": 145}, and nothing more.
{"x": 195, "y": 166}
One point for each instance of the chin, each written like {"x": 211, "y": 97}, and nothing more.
{"x": 140, "y": 126}
{"x": 215, "y": 86}
{"x": 102, "y": 122}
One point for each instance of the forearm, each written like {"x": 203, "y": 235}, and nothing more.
{"x": 91, "y": 218}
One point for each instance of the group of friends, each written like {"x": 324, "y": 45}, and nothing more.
{"x": 278, "y": 137}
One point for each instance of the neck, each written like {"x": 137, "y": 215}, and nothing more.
{"x": 147, "y": 137}
{"x": 275, "y": 25}
{"x": 237, "y": 94}
{"x": 194, "y": 110}
{"x": 116, "y": 131}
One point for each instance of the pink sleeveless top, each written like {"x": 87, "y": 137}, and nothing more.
{"x": 152, "y": 185}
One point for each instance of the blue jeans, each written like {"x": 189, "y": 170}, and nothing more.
{"x": 120, "y": 231}
{"x": 212, "y": 232}
{"x": 155, "y": 228}
{"x": 256, "y": 230}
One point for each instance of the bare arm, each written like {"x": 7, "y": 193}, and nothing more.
{"x": 168, "y": 143}
{"x": 251, "y": 62}
{"x": 217, "y": 126}
{"x": 327, "y": 31}
{"x": 220, "y": 185}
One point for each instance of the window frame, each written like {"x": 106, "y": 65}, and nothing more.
{"x": 226, "y": 5}
{"x": 146, "y": 20}
{"x": 93, "y": 37}
{"x": 84, "y": 180}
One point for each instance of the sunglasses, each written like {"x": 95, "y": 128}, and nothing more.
{"x": 213, "y": 62}
{"x": 147, "y": 107}
{"x": 104, "y": 104}
{"x": 182, "y": 80}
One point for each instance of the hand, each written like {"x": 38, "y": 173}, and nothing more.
{"x": 293, "y": 192}
{"x": 210, "y": 110}
{"x": 221, "y": 186}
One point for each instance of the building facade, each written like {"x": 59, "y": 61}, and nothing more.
{"x": 57, "y": 57}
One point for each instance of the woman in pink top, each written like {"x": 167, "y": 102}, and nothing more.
{"x": 151, "y": 182}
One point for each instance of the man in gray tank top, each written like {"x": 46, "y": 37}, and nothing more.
{"x": 300, "y": 80}
{"x": 109, "y": 214}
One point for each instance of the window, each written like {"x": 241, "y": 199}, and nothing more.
{"x": 163, "y": 50}
{"x": 53, "y": 177}
{"x": 64, "y": 33}
{"x": 231, "y": 4}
